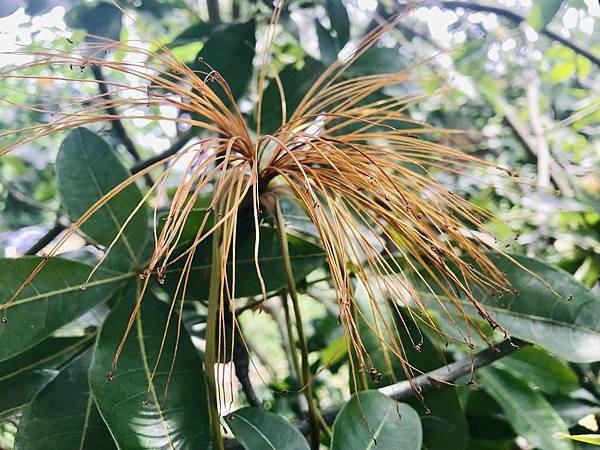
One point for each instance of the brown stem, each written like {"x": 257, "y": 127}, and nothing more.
{"x": 235, "y": 9}
{"x": 174, "y": 148}
{"x": 240, "y": 357}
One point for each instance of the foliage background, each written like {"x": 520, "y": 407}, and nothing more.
{"x": 523, "y": 93}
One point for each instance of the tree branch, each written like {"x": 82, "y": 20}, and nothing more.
{"x": 46, "y": 238}
{"x": 213, "y": 10}
{"x": 116, "y": 123}
{"x": 435, "y": 379}
{"x": 174, "y": 148}
{"x": 424, "y": 383}
{"x": 517, "y": 19}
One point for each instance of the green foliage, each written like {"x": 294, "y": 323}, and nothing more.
{"x": 542, "y": 12}
{"x": 147, "y": 415}
{"x": 529, "y": 413}
{"x": 234, "y": 64}
{"x": 547, "y": 307}
{"x": 87, "y": 169}
{"x": 371, "y": 419}
{"x": 256, "y": 428}
{"x": 57, "y": 380}
{"x": 54, "y": 299}
{"x": 100, "y": 19}
{"x": 76, "y": 424}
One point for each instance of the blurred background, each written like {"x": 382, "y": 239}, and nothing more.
{"x": 522, "y": 76}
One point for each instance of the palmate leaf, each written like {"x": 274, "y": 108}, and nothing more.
{"x": 140, "y": 417}
{"x": 63, "y": 414}
{"x": 256, "y": 428}
{"x": 528, "y": 411}
{"x": 87, "y": 169}
{"x": 53, "y": 299}
{"x": 373, "y": 420}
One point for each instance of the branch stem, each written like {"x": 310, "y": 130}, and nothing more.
{"x": 313, "y": 412}
{"x": 436, "y": 378}
{"x": 214, "y": 298}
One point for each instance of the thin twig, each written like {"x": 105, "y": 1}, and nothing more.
{"x": 116, "y": 123}
{"x": 174, "y": 148}
{"x": 50, "y": 235}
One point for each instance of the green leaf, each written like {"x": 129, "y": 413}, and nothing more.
{"x": 48, "y": 354}
{"x": 63, "y": 414}
{"x": 139, "y": 414}
{"x": 373, "y": 420}
{"x": 100, "y": 19}
{"x": 19, "y": 391}
{"x": 593, "y": 439}
{"x": 572, "y": 410}
{"x": 562, "y": 70}
{"x": 53, "y": 299}
{"x": 296, "y": 83}
{"x": 542, "y": 13}
{"x": 340, "y": 23}
{"x": 305, "y": 258}
{"x": 550, "y": 374}
{"x": 567, "y": 328}
{"x": 527, "y": 410}
{"x": 196, "y": 33}
{"x": 24, "y": 375}
{"x": 327, "y": 44}
{"x": 87, "y": 169}
{"x": 256, "y": 428}
{"x": 440, "y": 410}
{"x": 230, "y": 52}
{"x": 378, "y": 60}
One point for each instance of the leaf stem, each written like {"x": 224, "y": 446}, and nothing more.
{"x": 214, "y": 297}
{"x": 313, "y": 412}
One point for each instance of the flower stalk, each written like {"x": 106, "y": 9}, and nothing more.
{"x": 211, "y": 336}
{"x": 304, "y": 375}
